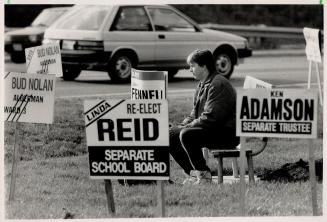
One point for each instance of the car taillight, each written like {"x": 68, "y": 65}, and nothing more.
{"x": 90, "y": 45}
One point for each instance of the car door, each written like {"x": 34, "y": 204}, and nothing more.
{"x": 131, "y": 29}
{"x": 176, "y": 36}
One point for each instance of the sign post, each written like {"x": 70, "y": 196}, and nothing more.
{"x": 313, "y": 55}
{"x": 161, "y": 199}
{"x": 110, "y": 197}
{"x": 127, "y": 139}
{"x": 242, "y": 176}
{"x": 313, "y": 182}
{"x": 280, "y": 113}
{"x": 14, "y": 167}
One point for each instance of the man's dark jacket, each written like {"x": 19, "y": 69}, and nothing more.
{"x": 214, "y": 105}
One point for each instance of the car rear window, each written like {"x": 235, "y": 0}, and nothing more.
{"x": 84, "y": 18}
{"x": 47, "y": 17}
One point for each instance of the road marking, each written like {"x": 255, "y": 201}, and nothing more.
{"x": 174, "y": 93}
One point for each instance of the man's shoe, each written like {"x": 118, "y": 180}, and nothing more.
{"x": 202, "y": 177}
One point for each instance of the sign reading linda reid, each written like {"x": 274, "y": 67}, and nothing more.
{"x": 29, "y": 97}
{"x": 44, "y": 59}
{"x": 127, "y": 139}
{"x": 277, "y": 113}
{"x": 148, "y": 84}
{"x": 312, "y": 48}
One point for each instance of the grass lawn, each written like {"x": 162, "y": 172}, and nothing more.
{"x": 53, "y": 176}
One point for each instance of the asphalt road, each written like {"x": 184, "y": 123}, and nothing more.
{"x": 282, "y": 71}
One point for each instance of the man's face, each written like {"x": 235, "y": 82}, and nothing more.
{"x": 197, "y": 71}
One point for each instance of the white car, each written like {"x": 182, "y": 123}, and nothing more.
{"x": 116, "y": 38}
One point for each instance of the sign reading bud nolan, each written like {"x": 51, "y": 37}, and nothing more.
{"x": 127, "y": 139}
{"x": 29, "y": 98}
{"x": 44, "y": 59}
{"x": 289, "y": 113}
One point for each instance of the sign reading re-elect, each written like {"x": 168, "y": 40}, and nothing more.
{"x": 127, "y": 139}
{"x": 29, "y": 97}
{"x": 44, "y": 59}
{"x": 289, "y": 113}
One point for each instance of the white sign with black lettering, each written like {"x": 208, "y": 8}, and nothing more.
{"x": 149, "y": 84}
{"x": 127, "y": 139}
{"x": 288, "y": 113}
{"x": 312, "y": 48}
{"x": 44, "y": 59}
{"x": 29, "y": 98}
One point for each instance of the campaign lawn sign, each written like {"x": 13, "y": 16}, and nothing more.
{"x": 277, "y": 113}
{"x": 44, "y": 59}
{"x": 313, "y": 52}
{"x": 280, "y": 113}
{"x": 149, "y": 84}
{"x": 312, "y": 48}
{"x": 29, "y": 98}
{"x": 127, "y": 139}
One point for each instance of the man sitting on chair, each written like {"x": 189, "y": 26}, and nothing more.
{"x": 211, "y": 122}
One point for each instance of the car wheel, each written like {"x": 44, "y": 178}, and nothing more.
{"x": 70, "y": 73}
{"x": 120, "y": 67}
{"x": 17, "y": 58}
{"x": 224, "y": 64}
{"x": 172, "y": 73}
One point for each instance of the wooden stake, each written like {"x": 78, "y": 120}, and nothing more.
{"x": 319, "y": 84}
{"x": 235, "y": 168}
{"x": 110, "y": 197}
{"x": 242, "y": 175}
{"x": 14, "y": 166}
{"x": 161, "y": 198}
{"x": 309, "y": 75}
{"x": 312, "y": 170}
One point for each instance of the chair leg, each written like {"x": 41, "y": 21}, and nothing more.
{"x": 235, "y": 168}
{"x": 205, "y": 152}
{"x": 220, "y": 169}
{"x": 250, "y": 169}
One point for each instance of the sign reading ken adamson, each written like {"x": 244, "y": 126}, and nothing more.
{"x": 287, "y": 113}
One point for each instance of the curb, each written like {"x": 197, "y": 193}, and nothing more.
{"x": 278, "y": 52}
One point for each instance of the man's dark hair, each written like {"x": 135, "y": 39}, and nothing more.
{"x": 203, "y": 58}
